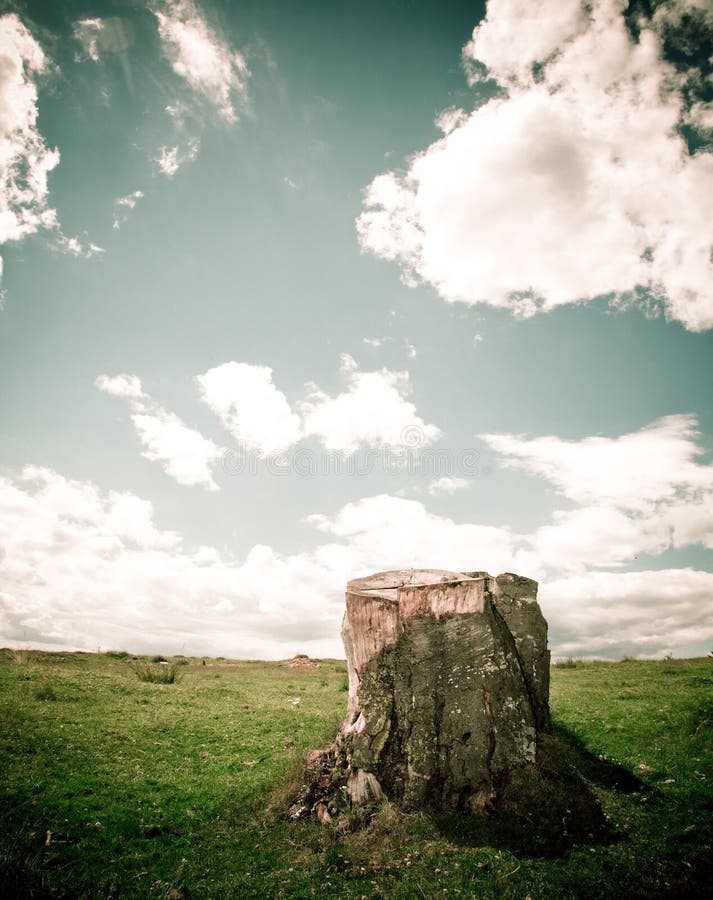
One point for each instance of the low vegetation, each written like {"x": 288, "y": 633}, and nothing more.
{"x": 158, "y": 671}
{"x": 111, "y": 786}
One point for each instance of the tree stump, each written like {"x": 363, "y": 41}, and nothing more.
{"x": 448, "y": 690}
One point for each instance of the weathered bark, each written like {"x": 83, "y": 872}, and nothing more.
{"x": 448, "y": 688}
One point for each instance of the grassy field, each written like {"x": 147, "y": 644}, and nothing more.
{"x": 112, "y": 786}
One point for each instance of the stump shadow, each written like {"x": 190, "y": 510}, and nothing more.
{"x": 545, "y": 811}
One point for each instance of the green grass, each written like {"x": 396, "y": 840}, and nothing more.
{"x": 163, "y": 673}
{"x": 113, "y": 787}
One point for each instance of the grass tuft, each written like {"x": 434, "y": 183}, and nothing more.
{"x": 156, "y": 674}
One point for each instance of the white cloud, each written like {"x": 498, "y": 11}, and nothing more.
{"x": 121, "y": 386}
{"x": 250, "y": 407}
{"x": 184, "y": 454}
{"x": 450, "y": 119}
{"x": 170, "y": 159}
{"x": 25, "y": 160}
{"x": 644, "y": 614}
{"x": 447, "y": 485}
{"x": 559, "y": 170}
{"x": 633, "y": 471}
{"x": 122, "y": 204}
{"x": 386, "y": 532}
{"x": 670, "y": 12}
{"x": 373, "y": 410}
{"x": 81, "y": 567}
{"x": 200, "y": 56}
{"x": 87, "y": 32}
{"x": 477, "y": 339}
{"x": 642, "y": 492}
{"x": 76, "y": 247}
{"x": 101, "y": 36}
{"x": 376, "y": 343}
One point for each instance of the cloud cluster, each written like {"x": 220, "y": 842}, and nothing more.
{"x": 84, "y": 249}
{"x": 184, "y": 453}
{"x": 25, "y": 160}
{"x": 80, "y": 567}
{"x": 373, "y": 410}
{"x": 542, "y": 195}
{"x": 170, "y": 159}
{"x": 641, "y": 493}
{"x": 637, "y": 614}
{"x": 200, "y": 56}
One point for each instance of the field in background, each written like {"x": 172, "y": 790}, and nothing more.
{"x": 111, "y": 786}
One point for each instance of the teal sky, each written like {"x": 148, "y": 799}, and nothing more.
{"x": 250, "y": 252}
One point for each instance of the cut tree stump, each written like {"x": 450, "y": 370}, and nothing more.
{"x": 448, "y": 691}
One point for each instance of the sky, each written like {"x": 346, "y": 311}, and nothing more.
{"x": 293, "y": 292}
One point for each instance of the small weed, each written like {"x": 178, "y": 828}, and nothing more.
{"x": 344, "y": 686}
{"x": 156, "y": 674}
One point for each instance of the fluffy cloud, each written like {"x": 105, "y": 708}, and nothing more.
{"x": 447, "y": 485}
{"x": 184, "y": 454}
{"x": 200, "y": 56}
{"x": 373, "y": 410}
{"x": 121, "y": 385}
{"x": 170, "y": 159}
{"x": 644, "y": 614}
{"x": 80, "y": 567}
{"x": 559, "y": 166}
{"x": 386, "y": 532}
{"x": 639, "y": 493}
{"x": 25, "y": 160}
{"x": 250, "y": 407}
{"x": 632, "y": 471}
